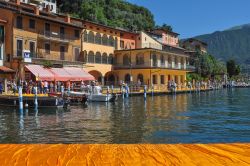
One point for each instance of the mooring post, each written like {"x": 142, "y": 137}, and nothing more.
{"x": 145, "y": 92}
{"x": 152, "y": 90}
{"x": 35, "y": 102}
{"x": 20, "y": 97}
{"x": 112, "y": 89}
{"x": 122, "y": 92}
{"x": 127, "y": 90}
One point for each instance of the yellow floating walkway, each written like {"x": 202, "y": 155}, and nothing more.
{"x": 72, "y": 155}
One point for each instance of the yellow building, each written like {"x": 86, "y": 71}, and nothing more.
{"x": 45, "y": 36}
{"x": 149, "y": 67}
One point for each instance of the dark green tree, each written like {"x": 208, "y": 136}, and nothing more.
{"x": 231, "y": 68}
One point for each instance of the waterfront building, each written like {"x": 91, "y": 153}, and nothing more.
{"x": 38, "y": 37}
{"x": 111, "y": 55}
{"x": 194, "y": 45}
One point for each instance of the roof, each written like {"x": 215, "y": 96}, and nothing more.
{"x": 167, "y": 31}
{"x": 4, "y": 69}
{"x": 194, "y": 39}
{"x": 51, "y": 17}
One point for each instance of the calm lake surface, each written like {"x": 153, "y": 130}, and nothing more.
{"x": 221, "y": 116}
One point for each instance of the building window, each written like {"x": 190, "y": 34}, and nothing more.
{"x": 91, "y": 57}
{"x": 47, "y": 29}
{"x": 122, "y": 44}
{"x": 77, "y": 54}
{"x": 98, "y": 58}
{"x": 111, "y": 59}
{"x": 104, "y": 58}
{"x": 19, "y": 22}
{"x": 154, "y": 60}
{"x": 62, "y": 32}
{"x": 98, "y": 38}
{"x": 62, "y": 52}
{"x": 19, "y": 46}
{"x": 85, "y": 36}
{"x": 91, "y": 37}
{"x": 32, "y": 24}
{"x": 162, "y": 61}
{"x": 111, "y": 41}
{"x": 105, "y": 40}
{"x": 32, "y": 49}
{"x": 162, "y": 79}
{"x": 139, "y": 59}
{"x": 126, "y": 60}
{"x": 47, "y": 48}
{"x": 154, "y": 79}
{"x": 77, "y": 34}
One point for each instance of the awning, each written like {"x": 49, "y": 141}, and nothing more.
{"x": 59, "y": 74}
{"x": 4, "y": 69}
{"x": 79, "y": 74}
{"x": 41, "y": 73}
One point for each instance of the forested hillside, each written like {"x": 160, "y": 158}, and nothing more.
{"x": 115, "y": 13}
{"x": 233, "y": 43}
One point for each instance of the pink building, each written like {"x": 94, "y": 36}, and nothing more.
{"x": 165, "y": 37}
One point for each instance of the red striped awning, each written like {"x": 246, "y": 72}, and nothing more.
{"x": 40, "y": 72}
{"x": 59, "y": 74}
{"x": 79, "y": 74}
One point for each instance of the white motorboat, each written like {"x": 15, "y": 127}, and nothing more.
{"x": 95, "y": 95}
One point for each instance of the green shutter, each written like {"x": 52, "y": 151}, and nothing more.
{"x": 1, "y": 34}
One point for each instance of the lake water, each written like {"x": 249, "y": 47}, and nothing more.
{"x": 221, "y": 116}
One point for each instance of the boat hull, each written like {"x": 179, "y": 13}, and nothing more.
{"x": 101, "y": 98}
{"x": 43, "y": 102}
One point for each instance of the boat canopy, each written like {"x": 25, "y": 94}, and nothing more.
{"x": 59, "y": 74}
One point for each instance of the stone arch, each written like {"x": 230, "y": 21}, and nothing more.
{"x": 91, "y": 57}
{"x": 110, "y": 78}
{"x": 98, "y": 38}
{"x": 97, "y": 75}
{"x": 140, "y": 78}
{"x": 104, "y": 58}
{"x": 127, "y": 78}
{"x": 91, "y": 37}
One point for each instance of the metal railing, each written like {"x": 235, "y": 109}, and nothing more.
{"x": 55, "y": 36}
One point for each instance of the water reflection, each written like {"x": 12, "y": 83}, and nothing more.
{"x": 216, "y": 116}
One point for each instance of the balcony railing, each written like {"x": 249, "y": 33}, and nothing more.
{"x": 54, "y": 36}
{"x": 149, "y": 65}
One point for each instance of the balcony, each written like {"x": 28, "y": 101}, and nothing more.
{"x": 54, "y": 36}
{"x": 147, "y": 65}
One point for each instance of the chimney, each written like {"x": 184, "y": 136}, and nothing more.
{"x": 47, "y": 9}
{"x": 18, "y": 2}
{"x": 36, "y": 10}
{"x": 67, "y": 18}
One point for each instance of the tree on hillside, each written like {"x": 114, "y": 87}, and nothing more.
{"x": 232, "y": 68}
{"x": 165, "y": 27}
{"x": 115, "y": 13}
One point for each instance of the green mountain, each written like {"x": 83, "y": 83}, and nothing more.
{"x": 233, "y": 43}
{"x": 115, "y": 13}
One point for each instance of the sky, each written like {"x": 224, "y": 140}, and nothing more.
{"x": 190, "y": 18}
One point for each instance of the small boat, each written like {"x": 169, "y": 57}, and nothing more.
{"x": 95, "y": 95}
{"x": 102, "y": 97}
{"x": 77, "y": 97}
{"x": 28, "y": 101}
